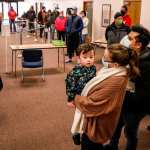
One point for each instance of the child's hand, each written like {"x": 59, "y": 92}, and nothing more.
{"x": 71, "y": 104}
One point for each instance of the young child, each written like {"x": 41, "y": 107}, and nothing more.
{"x": 79, "y": 76}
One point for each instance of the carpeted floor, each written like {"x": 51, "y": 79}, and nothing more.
{"x": 34, "y": 115}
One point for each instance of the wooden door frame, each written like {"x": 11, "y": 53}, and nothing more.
{"x": 128, "y": 3}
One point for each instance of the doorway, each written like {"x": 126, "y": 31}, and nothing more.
{"x": 134, "y": 10}
{"x": 88, "y": 7}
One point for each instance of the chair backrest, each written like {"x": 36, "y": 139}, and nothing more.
{"x": 32, "y": 55}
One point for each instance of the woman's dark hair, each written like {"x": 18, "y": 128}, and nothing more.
{"x": 125, "y": 7}
{"x": 125, "y": 56}
{"x": 84, "y": 12}
{"x": 85, "y": 48}
{"x": 143, "y": 37}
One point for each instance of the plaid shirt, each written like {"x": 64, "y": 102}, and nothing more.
{"x": 77, "y": 79}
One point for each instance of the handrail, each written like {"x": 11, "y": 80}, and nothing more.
{"x": 22, "y": 29}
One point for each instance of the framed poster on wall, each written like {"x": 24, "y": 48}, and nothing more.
{"x": 106, "y": 15}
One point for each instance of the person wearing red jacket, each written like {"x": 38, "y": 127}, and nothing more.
{"x": 60, "y": 23}
{"x": 12, "y": 16}
{"x": 126, "y": 18}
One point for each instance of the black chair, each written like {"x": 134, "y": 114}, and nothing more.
{"x": 32, "y": 58}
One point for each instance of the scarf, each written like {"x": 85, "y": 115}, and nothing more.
{"x": 103, "y": 74}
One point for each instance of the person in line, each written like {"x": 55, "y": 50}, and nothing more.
{"x": 1, "y": 19}
{"x": 126, "y": 18}
{"x": 136, "y": 103}
{"x": 85, "y": 26}
{"x": 31, "y": 16}
{"x": 102, "y": 97}
{"x": 74, "y": 26}
{"x": 51, "y": 23}
{"x": 79, "y": 76}
{"x": 41, "y": 20}
{"x": 60, "y": 24}
{"x": 117, "y": 30}
{"x": 12, "y": 16}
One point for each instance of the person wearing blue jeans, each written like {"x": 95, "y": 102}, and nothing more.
{"x": 12, "y": 25}
{"x": 12, "y": 16}
{"x": 136, "y": 104}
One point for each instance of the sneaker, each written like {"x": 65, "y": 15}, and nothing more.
{"x": 76, "y": 139}
{"x": 68, "y": 61}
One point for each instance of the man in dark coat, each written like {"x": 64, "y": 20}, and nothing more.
{"x": 31, "y": 15}
{"x": 42, "y": 20}
{"x": 137, "y": 103}
{"x": 117, "y": 30}
{"x": 74, "y": 27}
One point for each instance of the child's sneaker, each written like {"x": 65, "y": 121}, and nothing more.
{"x": 76, "y": 139}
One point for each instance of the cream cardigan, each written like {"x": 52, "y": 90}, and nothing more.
{"x": 103, "y": 74}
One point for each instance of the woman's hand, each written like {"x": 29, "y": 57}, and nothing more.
{"x": 71, "y": 104}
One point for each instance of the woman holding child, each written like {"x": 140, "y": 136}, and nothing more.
{"x": 101, "y": 99}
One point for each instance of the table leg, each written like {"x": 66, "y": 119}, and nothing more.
{"x": 58, "y": 57}
{"x": 15, "y": 64}
{"x": 64, "y": 59}
{"x": 12, "y": 61}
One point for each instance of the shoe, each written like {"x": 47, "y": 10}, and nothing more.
{"x": 76, "y": 139}
{"x": 68, "y": 61}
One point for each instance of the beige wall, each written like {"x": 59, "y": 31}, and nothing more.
{"x": 98, "y": 31}
{"x": 49, "y": 4}
{"x": 145, "y": 14}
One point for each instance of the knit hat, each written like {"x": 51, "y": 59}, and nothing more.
{"x": 117, "y": 14}
{"x": 74, "y": 8}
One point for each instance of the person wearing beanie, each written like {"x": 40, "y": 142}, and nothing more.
{"x": 74, "y": 26}
{"x": 117, "y": 30}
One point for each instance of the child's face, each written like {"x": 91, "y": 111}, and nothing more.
{"x": 87, "y": 59}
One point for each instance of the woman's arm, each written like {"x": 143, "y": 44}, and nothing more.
{"x": 103, "y": 98}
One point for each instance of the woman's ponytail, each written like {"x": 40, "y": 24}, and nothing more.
{"x": 125, "y": 57}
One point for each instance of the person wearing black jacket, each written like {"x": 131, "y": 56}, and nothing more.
{"x": 74, "y": 26}
{"x": 1, "y": 83}
{"x": 31, "y": 15}
{"x": 136, "y": 104}
{"x": 42, "y": 17}
{"x": 117, "y": 30}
